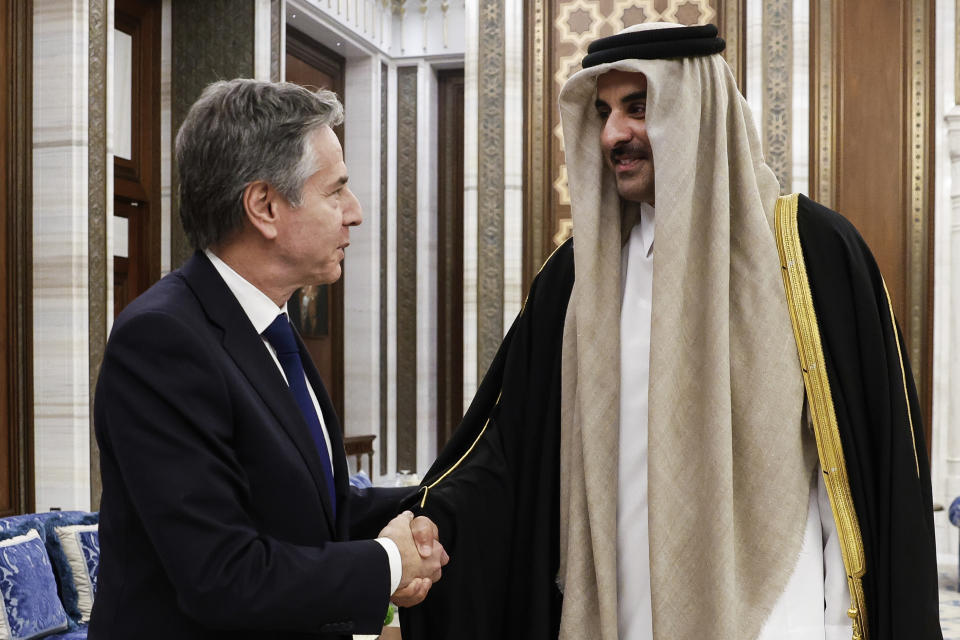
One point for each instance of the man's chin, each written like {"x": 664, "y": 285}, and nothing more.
{"x": 633, "y": 193}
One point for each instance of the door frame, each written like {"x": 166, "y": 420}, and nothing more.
{"x": 16, "y": 213}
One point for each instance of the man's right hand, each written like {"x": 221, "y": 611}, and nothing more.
{"x": 419, "y": 571}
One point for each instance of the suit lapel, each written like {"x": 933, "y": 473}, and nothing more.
{"x": 247, "y": 350}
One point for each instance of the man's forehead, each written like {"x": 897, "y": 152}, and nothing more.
{"x": 617, "y": 80}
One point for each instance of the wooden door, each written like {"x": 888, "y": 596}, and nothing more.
{"x": 317, "y": 310}
{"x": 450, "y": 254}
{"x": 16, "y": 402}
{"x": 136, "y": 140}
{"x": 879, "y": 161}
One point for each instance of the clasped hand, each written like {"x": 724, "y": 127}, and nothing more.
{"x": 421, "y": 554}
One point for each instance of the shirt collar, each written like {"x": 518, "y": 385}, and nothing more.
{"x": 260, "y": 309}
{"x": 647, "y": 217}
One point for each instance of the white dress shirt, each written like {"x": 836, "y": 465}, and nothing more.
{"x": 814, "y": 604}
{"x": 261, "y": 311}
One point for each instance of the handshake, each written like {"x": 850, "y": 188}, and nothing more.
{"x": 421, "y": 555}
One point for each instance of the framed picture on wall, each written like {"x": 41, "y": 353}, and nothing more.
{"x": 309, "y": 310}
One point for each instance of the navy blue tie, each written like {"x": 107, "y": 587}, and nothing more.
{"x": 280, "y": 336}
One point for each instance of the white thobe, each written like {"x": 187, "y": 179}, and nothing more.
{"x": 814, "y": 604}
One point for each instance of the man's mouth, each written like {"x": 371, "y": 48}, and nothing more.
{"x": 625, "y": 163}
{"x": 626, "y": 159}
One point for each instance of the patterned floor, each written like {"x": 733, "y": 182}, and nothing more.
{"x": 949, "y": 597}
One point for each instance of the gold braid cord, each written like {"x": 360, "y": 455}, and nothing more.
{"x": 820, "y": 401}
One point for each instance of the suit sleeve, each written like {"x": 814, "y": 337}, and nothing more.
{"x": 371, "y": 509}
{"x": 165, "y": 417}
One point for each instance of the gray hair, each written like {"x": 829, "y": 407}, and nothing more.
{"x": 241, "y": 131}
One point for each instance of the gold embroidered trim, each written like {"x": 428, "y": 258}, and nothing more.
{"x": 820, "y": 400}
{"x": 903, "y": 378}
{"x": 426, "y": 488}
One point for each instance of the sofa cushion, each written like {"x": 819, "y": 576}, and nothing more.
{"x": 81, "y": 547}
{"x": 77, "y": 588}
{"x": 31, "y": 606}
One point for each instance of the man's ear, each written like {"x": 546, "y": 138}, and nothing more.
{"x": 260, "y": 206}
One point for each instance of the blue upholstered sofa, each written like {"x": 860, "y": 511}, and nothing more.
{"x": 48, "y": 574}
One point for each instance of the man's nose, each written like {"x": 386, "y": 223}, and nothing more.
{"x": 616, "y": 131}
{"x": 353, "y": 212}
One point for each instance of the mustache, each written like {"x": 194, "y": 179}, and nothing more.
{"x": 630, "y": 150}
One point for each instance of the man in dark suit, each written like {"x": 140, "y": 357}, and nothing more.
{"x": 226, "y": 509}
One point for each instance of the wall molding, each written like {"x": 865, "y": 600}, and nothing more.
{"x": 777, "y": 114}
{"x": 98, "y": 213}
{"x": 920, "y": 225}
{"x": 490, "y": 182}
{"x": 383, "y": 445}
{"x": 407, "y": 267}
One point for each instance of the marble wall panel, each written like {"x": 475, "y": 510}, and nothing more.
{"x": 362, "y": 263}
{"x": 60, "y": 255}
{"x": 513, "y": 293}
{"x": 800, "y": 121}
{"x": 427, "y": 194}
{"x": 393, "y": 156}
{"x": 470, "y": 206}
{"x": 945, "y": 442}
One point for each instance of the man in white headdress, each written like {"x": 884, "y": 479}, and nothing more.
{"x": 640, "y": 461}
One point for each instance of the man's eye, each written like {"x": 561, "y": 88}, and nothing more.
{"x": 638, "y": 109}
{"x": 603, "y": 113}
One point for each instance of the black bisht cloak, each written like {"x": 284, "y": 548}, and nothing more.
{"x": 494, "y": 489}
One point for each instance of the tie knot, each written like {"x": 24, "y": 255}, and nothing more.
{"x": 280, "y": 335}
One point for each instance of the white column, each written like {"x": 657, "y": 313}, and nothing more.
{"x": 513, "y": 293}
{"x": 391, "y": 359}
{"x": 361, "y": 309}
{"x": 945, "y": 448}
{"x": 800, "y": 180}
{"x": 60, "y": 280}
{"x": 261, "y": 39}
{"x": 754, "y": 35}
{"x": 470, "y": 239}
{"x": 426, "y": 267}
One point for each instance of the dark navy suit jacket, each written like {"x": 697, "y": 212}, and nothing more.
{"x": 215, "y": 518}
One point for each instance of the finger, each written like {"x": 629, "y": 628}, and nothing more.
{"x": 424, "y": 533}
{"x": 441, "y": 554}
{"x": 413, "y": 594}
{"x": 427, "y": 522}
